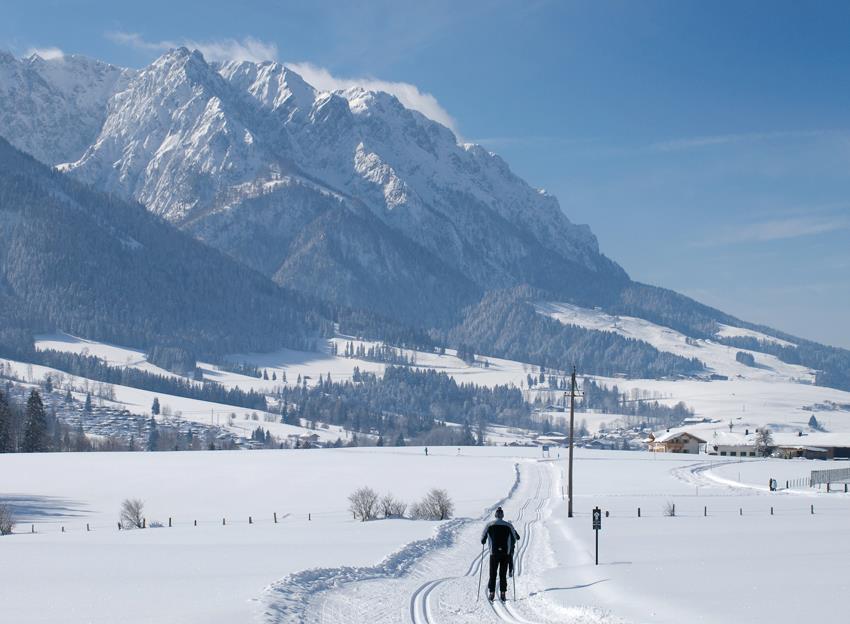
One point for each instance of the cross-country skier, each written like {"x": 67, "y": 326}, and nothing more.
{"x": 503, "y": 538}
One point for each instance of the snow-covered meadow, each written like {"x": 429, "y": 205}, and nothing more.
{"x": 737, "y": 563}
{"x": 212, "y": 572}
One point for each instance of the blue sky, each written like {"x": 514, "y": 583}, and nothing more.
{"x": 706, "y": 144}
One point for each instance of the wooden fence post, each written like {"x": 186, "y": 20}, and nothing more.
{"x": 705, "y": 511}
{"x": 169, "y": 522}
{"x": 638, "y": 512}
{"x": 224, "y": 522}
{"x": 33, "y": 528}
{"x": 309, "y": 516}
{"x": 771, "y": 511}
{"x": 813, "y": 510}
{"x": 88, "y": 528}
{"x": 196, "y": 523}
{"x": 250, "y": 520}
{"x": 275, "y": 517}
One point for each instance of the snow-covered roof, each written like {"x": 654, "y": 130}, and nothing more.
{"x": 727, "y": 438}
{"x": 670, "y": 435}
{"x": 828, "y": 440}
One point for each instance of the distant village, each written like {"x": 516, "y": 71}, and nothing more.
{"x": 697, "y": 436}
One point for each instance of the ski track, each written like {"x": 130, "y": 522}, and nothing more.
{"x": 318, "y": 595}
{"x": 432, "y": 581}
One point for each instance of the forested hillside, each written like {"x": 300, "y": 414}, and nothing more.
{"x": 95, "y": 266}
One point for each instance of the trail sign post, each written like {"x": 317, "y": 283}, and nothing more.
{"x": 597, "y": 526}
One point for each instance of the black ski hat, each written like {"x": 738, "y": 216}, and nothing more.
{"x": 500, "y": 513}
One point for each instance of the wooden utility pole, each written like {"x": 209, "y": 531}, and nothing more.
{"x": 572, "y": 436}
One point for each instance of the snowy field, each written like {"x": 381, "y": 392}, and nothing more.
{"x": 738, "y": 563}
{"x": 208, "y": 573}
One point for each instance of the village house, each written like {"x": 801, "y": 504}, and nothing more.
{"x": 728, "y": 444}
{"x": 675, "y": 442}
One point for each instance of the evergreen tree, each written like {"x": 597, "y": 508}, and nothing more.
{"x": 153, "y": 436}
{"x": 88, "y": 402}
{"x": 399, "y": 441}
{"x": 813, "y": 423}
{"x": 35, "y": 425}
{"x": 155, "y": 406}
{"x": 380, "y": 441}
{"x": 6, "y": 442}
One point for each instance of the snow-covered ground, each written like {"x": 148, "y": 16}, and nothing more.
{"x": 208, "y": 573}
{"x": 772, "y": 393}
{"x": 722, "y": 558}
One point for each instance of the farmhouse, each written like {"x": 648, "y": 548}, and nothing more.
{"x": 728, "y": 444}
{"x": 675, "y": 442}
{"x": 820, "y": 445}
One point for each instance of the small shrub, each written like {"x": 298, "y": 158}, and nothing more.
{"x": 131, "y": 513}
{"x": 7, "y": 520}
{"x": 363, "y": 503}
{"x": 437, "y": 505}
{"x": 392, "y": 507}
{"x": 155, "y": 524}
{"x": 670, "y": 509}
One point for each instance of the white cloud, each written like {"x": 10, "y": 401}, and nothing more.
{"x": 726, "y": 139}
{"x": 48, "y": 54}
{"x": 778, "y": 229}
{"x": 408, "y": 94}
{"x": 250, "y": 49}
{"x": 247, "y": 49}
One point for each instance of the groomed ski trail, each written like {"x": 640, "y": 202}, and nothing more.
{"x": 433, "y": 581}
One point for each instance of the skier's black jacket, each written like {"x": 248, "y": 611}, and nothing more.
{"x": 503, "y": 537}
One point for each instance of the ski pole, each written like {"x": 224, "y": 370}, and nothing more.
{"x": 513, "y": 576}
{"x": 480, "y": 571}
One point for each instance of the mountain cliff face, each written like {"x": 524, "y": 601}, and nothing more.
{"x": 341, "y": 194}
{"x": 54, "y": 109}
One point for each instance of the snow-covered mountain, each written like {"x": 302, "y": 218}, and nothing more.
{"x": 54, "y": 109}
{"x": 338, "y": 193}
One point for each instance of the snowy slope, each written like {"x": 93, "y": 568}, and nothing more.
{"x": 772, "y": 393}
{"x": 54, "y": 109}
{"x": 719, "y": 358}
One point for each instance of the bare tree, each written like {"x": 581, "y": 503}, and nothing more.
{"x": 437, "y": 505}
{"x": 392, "y": 507}
{"x": 131, "y": 513}
{"x": 7, "y": 520}
{"x": 670, "y": 509}
{"x": 764, "y": 442}
{"x": 364, "y": 503}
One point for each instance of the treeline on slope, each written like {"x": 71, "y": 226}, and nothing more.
{"x": 694, "y": 319}
{"x": 96, "y": 369}
{"x": 832, "y": 364}
{"x": 506, "y": 325}
{"x": 669, "y": 308}
{"x": 30, "y": 428}
{"x": 610, "y": 400}
{"x": 407, "y": 405}
{"x": 95, "y": 266}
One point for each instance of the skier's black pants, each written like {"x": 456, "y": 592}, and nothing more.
{"x": 501, "y": 563}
